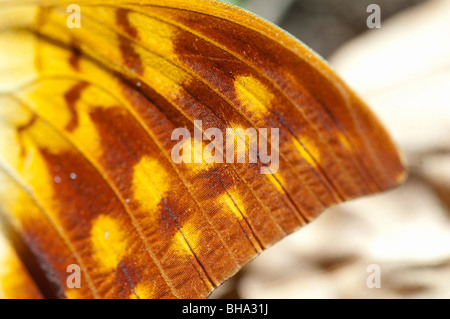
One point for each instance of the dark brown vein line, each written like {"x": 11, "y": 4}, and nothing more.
{"x": 128, "y": 278}
{"x": 236, "y": 205}
{"x": 175, "y": 219}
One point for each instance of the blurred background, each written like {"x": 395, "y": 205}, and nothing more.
{"x": 402, "y": 70}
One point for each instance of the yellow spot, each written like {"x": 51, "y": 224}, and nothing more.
{"x": 145, "y": 290}
{"x": 179, "y": 244}
{"x": 150, "y": 183}
{"x": 192, "y": 233}
{"x": 188, "y": 233}
{"x": 190, "y": 151}
{"x": 195, "y": 150}
{"x": 308, "y": 151}
{"x": 254, "y": 95}
{"x": 232, "y": 202}
{"x": 108, "y": 242}
{"x": 245, "y": 141}
{"x": 153, "y": 44}
{"x": 155, "y": 47}
{"x": 276, "y": 181}
{"x": 345, "y": 142}
{"x": 150, "y": 32}
{"x": 153, "y": 33}
{"x": 74, "y": 293}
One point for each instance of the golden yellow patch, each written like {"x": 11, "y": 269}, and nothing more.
{"x": 153, "y": 51}
{"x": 244, "y": 142}
{"x": 156, "y": 52}
{"x": 179, "y": 244}
{"x": 193, "y": 235}
{"x": 108, "y": 241}
{"x": 145, "y": 290}
{"x": 192, "y": 151}
{"x": 277, "y": 182}
{"x": 253, "y": 95}
{"x": 142, "y": 24}
{"x": 232, "y": 202}
{"x": 150, "y": 183}
{"x": 308, "y": 151}
{"x": 74, "y": 293}
{"x": 344, "y": 141}
{"x": 162, "y": 33}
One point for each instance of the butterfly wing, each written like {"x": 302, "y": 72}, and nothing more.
{"x": 89, "y": 104}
